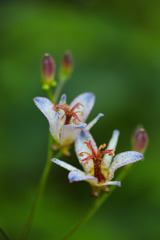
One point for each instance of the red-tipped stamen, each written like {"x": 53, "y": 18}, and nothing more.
{"x": 82, "y": 154}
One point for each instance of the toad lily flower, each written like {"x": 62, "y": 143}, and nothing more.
{"x": 97, "y": 171}
{"x": 66, "y": 121}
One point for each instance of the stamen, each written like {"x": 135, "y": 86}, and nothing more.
{"x": 82, "y": 153}
{"x": 100, "y": 147}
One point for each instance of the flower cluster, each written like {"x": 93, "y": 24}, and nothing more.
{"x": 67, "y": 124}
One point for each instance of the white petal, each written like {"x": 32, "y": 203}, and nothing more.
{"x": 70, "y": 132}
{"x": 45, "y": 106}
{"x": 80, "y": 146}
{"x": 64, "y": 165}
{"x": 87, "y": 99}
{"x": 124, "y": 159}
{"x": 91, "y": 124}
{"x": 76, "y": 176}
{"x": 63, "y": 99}
{"x": 111, "y": 145}
{"x": 112, "y": 183}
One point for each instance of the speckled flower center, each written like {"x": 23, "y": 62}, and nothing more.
{"x": 96, "y": 157}
{"x": 69, "y": 113}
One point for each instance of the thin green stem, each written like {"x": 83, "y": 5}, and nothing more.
{"x": 58, "y": 90}
{"x": 4, "y": 234}
{"x": 40, "y": 190}
{"x": 43, "y": 179}
{"x": 50, "y": 95}
{"x": 97, "y": 204}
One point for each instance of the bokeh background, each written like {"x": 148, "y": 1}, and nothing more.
{"x": 116, "y": 50}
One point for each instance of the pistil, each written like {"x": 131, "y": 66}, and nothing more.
{"x": 97, "y": 159}
{"x": 69, "y": 113}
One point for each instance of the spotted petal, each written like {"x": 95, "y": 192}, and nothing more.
{"x": 92, "y": 123}
{"x": 45, "y": 106}
{"x": 87, "y": 99}
{"x": 80, "y": 146}
{"x": 76, "y": 176}
{"x": 70, "y": 132}
{"x": 111, "y": 145}
{"x": 123, "y": 159}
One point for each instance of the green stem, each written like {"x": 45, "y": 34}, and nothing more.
{"x": 97, "y": 204}
{"x": 4, "y": 234}
{"x": 50, "y": 95}
{"x": 58, "y": 91}
{"x": 40, "y": 190}
{"x": 43, "y": 179}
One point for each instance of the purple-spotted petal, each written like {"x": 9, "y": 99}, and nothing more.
{"x": 111, "y": 145}
{"x": 113, "y": 183}
{"x": 64, "y": 165}
{"x": 91, "y": 124}
{"x": 87, "y": 99}
{"x": 70, "y": 132}
{"x": 80, "y": 146}
{"x": 76, "y": 176}
{"x": 45, "y": 106}
{"x": 123, "y": 159}
{"x": 63, "y": 99}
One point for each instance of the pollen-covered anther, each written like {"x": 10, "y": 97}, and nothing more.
{"x": 103, "y": 163}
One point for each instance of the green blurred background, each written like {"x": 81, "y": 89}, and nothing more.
{"x": 116, "y": 49}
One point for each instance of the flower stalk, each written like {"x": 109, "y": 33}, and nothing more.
{"x": 97, "y": 204}
{"x": 40, "y": 190}
{"x": 4, "y": 234}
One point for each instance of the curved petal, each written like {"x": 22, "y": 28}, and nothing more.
{"x": 76, "y": 176}
{"x": 91, "y": 124}
{"x": 80, "y": 146}
{"x": 45, "y": 106}
{"x": 63, "y": 99}
{"x": 64, "y": 165}
{"x": 123, "y": 159}
{"x": 111, "y": 145}
{"x": 112, "y": 183}
{"x": 70, "y": 132}
{"x": 87, "y": 99}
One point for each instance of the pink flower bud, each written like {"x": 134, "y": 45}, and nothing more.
{"x": 140, "y": 140}
{"x": 66, "y": 66}
{"x": 48, "y": 72}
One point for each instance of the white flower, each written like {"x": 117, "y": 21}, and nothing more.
{"x": 97, "y": 171}
{"x": 66, "y": 121}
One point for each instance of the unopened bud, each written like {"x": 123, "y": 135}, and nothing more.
{"x": 66, "y": 66}
{"x": 48, "y": 72}
{"x": 140, "y": 140}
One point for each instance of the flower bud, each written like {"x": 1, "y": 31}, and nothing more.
{"x": 140, "y": 140}
{"x": 66, "y": 66}
{"x": 48, "y": 72}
